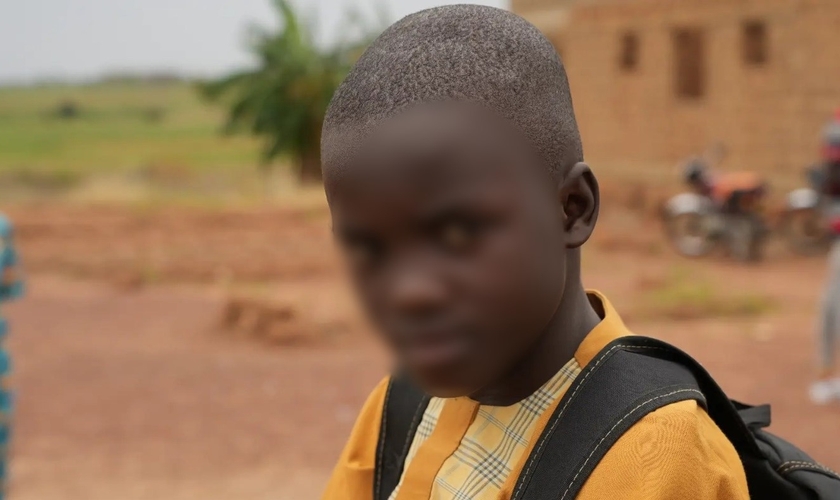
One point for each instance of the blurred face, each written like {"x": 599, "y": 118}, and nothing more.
{"x": 453, "y": 233}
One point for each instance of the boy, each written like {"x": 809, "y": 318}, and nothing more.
{"x": 454, "y": 172}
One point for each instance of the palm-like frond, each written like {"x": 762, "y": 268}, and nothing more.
{"x": 285, "y": 98}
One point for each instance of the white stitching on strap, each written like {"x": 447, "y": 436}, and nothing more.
{"x": 614, "y": 427}
{"x": 566, "y": 405}
{"x": 380, "y": 458}
{"x": 798, "y": 464}
{"x": 418, "y": 414}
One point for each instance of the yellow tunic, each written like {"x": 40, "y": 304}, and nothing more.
{"x": 464, "y": 450}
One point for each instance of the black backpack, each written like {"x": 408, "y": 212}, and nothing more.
{"x": 629, "y": 378}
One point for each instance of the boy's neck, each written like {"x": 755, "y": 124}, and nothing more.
{"x": 574, "y": 319}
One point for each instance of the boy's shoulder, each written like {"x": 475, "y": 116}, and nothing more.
{"x": 353, "y": 475}
{"x": 676, "y": 451}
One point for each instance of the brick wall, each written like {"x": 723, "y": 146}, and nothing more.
{"x": 769, "y": 115}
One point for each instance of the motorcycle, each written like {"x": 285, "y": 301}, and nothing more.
{"x": 696, "y": 225}
{"x": 801, "y": 223}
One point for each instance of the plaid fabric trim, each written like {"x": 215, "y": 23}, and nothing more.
{"x": 424, "y": 430}
{"x": 493, "y": 444}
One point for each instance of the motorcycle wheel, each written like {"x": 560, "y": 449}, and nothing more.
{"x": 803, "y": 231}
{"x": 690, "y": 233}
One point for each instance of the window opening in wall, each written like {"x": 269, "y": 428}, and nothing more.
{"x": 689, "y": 63}
{"x": 629, "y": 52}
{"x": 754, "y": 43}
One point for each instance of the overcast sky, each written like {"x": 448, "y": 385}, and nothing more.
{"x": 81, "y": 39}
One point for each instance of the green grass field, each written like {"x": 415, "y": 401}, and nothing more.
{"x": 118, "y": 128}
{"x": 151, "y": 136}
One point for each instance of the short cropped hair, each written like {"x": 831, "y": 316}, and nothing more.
{"x": 469, "y": 53}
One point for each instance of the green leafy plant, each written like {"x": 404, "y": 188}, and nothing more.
{"x": 285, "y": 98}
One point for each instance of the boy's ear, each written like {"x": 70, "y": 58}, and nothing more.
{"x": 580, "y": 199}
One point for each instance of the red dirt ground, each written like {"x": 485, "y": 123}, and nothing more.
{"x": 129, "y": 390}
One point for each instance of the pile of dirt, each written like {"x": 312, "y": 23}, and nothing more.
{"x": 266, "y": 321}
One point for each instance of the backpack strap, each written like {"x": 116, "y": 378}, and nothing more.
{"x": 630, "y": 378}
{"x": 725, "y": 413}
{"x": 403, "y": 411}
{"x": 756, "y": 417}
{"x": 613, "y": 392}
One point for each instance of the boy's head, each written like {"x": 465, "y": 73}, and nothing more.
{"x": 453, "y": 168}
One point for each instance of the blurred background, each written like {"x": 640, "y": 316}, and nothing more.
{"x": 187, "y": 332}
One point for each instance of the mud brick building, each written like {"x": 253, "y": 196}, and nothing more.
{"x": 657, "y": 80}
